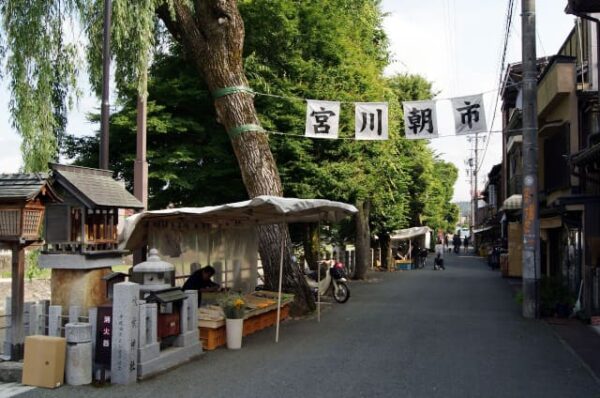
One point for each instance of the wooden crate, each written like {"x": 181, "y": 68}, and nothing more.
{"x": 213, "y": 338}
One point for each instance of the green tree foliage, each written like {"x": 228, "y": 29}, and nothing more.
{"x": 190, "y": 157}
{"x": 336, "y": 50}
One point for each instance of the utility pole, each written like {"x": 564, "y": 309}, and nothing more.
{"x": 473, "y": 173}
{"x": 531, "y": 222}
{"x": 105, "y": 107}
{"x": 475, "y": 188}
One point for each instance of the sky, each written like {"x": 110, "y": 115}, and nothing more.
{"x": 455, "y": 44}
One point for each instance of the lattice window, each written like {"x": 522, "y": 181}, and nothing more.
{"x": 10, "y": 222}
{"x": 31, "y": 222}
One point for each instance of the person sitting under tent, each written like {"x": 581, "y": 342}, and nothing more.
{"x": 201, "y": 281}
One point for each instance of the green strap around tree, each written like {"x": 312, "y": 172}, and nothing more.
{"x": 222, "y": 92}
{"x": 244, "y": 128}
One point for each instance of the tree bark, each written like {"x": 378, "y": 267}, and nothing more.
{"x": 212, "y": 33}
{"x": 386, "y": 251}
{"x": 311, "y": 245}
{"x": 363, "y": 239}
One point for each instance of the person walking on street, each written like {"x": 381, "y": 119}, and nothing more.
{"x": 456, "y": 243}
{"x": 466, "y": 244}
{"x": 439, "y": 246}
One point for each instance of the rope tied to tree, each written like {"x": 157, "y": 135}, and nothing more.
{"x": 222, "y": 92}
{"x": 244, "y": 128}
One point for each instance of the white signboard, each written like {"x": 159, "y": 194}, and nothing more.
{"x": 371, "y": 120}
{"x": 322, "y": 119}
{"x": 420, "y": 120}
{"x": 469, "y": 114}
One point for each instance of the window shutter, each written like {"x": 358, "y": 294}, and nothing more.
{"x": 58, "y": 221}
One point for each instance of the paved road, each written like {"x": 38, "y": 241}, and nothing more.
{"x": 453, "y": 333}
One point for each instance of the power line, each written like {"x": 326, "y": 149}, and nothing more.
{"x": 508, "y": 26}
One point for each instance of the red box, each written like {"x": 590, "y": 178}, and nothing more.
{"x": 168, "y": 325}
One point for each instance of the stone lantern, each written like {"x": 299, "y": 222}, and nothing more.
{"x": 153, "y": 274}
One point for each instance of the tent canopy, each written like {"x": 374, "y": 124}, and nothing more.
{"x": 258, "y": 211}
{"x": 409, "y": 233}
{"x": 513, "y": 202}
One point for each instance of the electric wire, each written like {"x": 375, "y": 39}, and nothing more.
{"x": 508, "y": 26}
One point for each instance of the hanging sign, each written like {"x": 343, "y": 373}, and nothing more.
{"x": 469, "y": 114}
{"x": 420, "y": 120}
{"x": 371, "y": 120}
{"x": 322, "y": 119}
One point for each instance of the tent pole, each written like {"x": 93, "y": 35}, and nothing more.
{"x": 319, "y": 276}
{"x": 279, "y": 288}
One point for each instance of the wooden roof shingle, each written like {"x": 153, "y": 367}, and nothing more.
{"x": 21, "y": 186}
{"x": 94, "y": 187}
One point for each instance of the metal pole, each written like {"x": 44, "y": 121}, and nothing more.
{"x": 105, "y": 107}
{"x": 319, "y": 277}
{"x": 531, "y": 223}
{"x": 475, "y": 188}
{"x": 279, "y": 288}
{"x": 140, "y": 171}
{"x": 16, "y": 311}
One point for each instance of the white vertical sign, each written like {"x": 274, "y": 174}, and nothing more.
{"x": 371, "y": 120}
{"x": 322, "y": 119}
{"x": 420, "y": 120}
{"x": 469, "y": 114}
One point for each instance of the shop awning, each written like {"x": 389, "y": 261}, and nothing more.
{"x": 482, "y": 229}
{"x": 409, "y": 233}
{"x": 513, "y": 202}
{"x": 551, "y": 222}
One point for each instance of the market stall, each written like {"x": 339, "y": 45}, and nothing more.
{"x": 410, "y": 237}
{"x": 225, "y": 236}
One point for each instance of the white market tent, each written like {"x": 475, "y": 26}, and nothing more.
{"x": 410, "y": 234}
{"x": 262, "y": 210}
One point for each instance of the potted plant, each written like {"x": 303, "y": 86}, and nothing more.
{"x": 234, "y": 308}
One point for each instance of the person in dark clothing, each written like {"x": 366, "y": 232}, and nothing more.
{"x": 466, "y": 244}
{"x": 456, "y": 243}
{"x": 438, "y": 262}
{"x": 200, "y": 281}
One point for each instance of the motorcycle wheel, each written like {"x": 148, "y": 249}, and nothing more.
{"x": 342, "y": 293}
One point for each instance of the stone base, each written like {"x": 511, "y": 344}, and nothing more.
{"x": 82, "y": 288}
{"x": 11, "y": 372}
{"x": 168, "y": 359}
{"x": 148, "y": 353}
{"x": 187, "y": 339}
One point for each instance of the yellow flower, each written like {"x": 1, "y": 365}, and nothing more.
{"x": 238, "y": 303}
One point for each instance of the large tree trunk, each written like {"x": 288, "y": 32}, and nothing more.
{"x": 311, "y": 245}
{"x": 386, "y": 251}
{"x": 213, "y": 36}
{"x": 363, "y": 239}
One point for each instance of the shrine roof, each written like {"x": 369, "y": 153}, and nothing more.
{"x": 94, "y": 187}
{"x": 23, "y": 186}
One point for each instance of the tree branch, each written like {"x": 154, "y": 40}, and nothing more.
{"x": 184, "y": 27}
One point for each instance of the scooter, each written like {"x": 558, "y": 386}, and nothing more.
{"x": 334, "y": 280}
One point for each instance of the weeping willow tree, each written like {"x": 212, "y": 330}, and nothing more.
{"x": 43, "y": 60}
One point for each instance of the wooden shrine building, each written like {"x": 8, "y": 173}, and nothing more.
{"x": 23, "y": 199}
{"x": 81, "y": 238}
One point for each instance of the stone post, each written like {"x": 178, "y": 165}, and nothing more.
{"x": 54, "y": 320}
{"x": 124, "y": 354}
{"x": 74, "y": 312}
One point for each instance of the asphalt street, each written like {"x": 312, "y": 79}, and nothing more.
{"x": 424, "y": 333}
